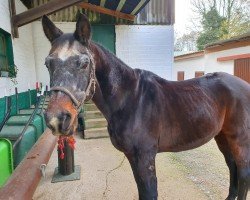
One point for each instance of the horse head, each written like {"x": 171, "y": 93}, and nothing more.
{"x": 72, "y": 74}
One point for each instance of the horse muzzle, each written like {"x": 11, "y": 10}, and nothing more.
{"x": 59, "y": 122}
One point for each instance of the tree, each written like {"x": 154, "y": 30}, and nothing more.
{"x": 221, "y": 19}
{"x": 186, "y": 42}
{"x": 239, "y": 24}
{"x": 212, "y": 28}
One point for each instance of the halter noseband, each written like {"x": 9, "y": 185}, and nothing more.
{"x": 86, "y": 93}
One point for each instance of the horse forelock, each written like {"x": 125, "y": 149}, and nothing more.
{"x": 67, "y": 46}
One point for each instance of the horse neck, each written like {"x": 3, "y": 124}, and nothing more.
{"x": 115, "y": 81}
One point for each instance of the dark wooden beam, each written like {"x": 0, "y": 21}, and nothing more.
{"x": 46, "y": 9}
{"x": 106, "y": 11}
{"x": 14, "y": 29}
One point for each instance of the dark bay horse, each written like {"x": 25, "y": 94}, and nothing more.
{"x": 147, "y": 114}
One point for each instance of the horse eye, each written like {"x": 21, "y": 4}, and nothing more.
{"x": 47, "y": 63}
{"x": 84, "y": 62}
{"x": 85, "y": 65}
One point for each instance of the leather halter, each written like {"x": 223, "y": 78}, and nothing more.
{"x": 86, "y": 93}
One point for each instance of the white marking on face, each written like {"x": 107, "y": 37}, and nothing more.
{"x": 66, "y": 51}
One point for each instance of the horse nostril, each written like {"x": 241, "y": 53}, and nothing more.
{"x": 51, "y": 121}
{"x": 65, "y": 119}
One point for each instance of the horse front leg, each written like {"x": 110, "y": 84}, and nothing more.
{"x": 143, "y": 166}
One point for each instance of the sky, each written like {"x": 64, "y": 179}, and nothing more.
{"x": 183, "y": 14}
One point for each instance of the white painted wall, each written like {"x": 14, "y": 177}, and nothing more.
{"x": 146, "y": 47}
{"x": 211, "y": 64}
{"x": 208, "y": 63}
{"x": 189, "y": 66}
{"x": 42, "y": 47}
{"x": 23, "y": 53}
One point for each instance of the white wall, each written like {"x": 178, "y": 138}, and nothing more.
{"x": 23, "y": 53}
{"x": 146, "y": 47}
{"x": 212, "y": 65}
{"x": 208, "y": 63}
{"x": 189, "y": 66}
{"x": 42, "y": 47}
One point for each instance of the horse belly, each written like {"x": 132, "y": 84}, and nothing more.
{"x": 185, "y": 145}
{"x": 186, "y": 136}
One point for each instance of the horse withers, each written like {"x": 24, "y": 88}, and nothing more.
{"x": 145, "y": 113}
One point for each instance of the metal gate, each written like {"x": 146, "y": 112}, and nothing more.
{"x": 242, "y": 69}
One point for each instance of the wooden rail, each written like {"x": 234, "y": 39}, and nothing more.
{"x": 23, "y": 182}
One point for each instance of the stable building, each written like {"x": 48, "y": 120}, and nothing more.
{"x": 231, "y": 56}
{"x": 139, "y": 32}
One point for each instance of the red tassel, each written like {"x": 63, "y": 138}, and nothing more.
{"x": 71, "y": 142}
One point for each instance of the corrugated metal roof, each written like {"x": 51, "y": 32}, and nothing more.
{"x": 160, "y": 12}
{"x": 157, "y": 12}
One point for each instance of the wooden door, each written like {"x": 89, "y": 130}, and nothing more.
{"x": 242, "y": 69}
{"x": 104, "y": 35}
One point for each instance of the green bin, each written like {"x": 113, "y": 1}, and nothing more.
{"x": 23, "y": 119}
{"x": 29, "y": 138}
{"x": 6, "y": 160}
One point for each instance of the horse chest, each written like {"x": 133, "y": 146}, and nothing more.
{"x": 118, "y": 138}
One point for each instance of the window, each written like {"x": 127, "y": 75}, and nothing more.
{"x": 198, "y": 74}
{"x": 180, "y": 76}
{"x": 6, "y": 55}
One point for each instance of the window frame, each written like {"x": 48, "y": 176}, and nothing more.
{"x": 10, "y": 68}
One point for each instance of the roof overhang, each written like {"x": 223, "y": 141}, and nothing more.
{"x": 189, "y": 56}
{"x": 124, "y": 9}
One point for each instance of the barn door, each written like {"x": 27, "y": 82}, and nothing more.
{"x": 242, "y": 69}
{"x": 104, "y": 35}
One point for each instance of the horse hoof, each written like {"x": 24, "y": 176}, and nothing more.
{"x": 232, "y": 197}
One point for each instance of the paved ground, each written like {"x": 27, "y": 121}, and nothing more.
{"x": 197, "y": 174}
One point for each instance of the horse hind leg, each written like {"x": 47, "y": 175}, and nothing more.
{"x": 224, "y": 148}
{"x": 239, "y": 144}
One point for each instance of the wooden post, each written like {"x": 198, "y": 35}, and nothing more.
{"x": 66, "y": 165}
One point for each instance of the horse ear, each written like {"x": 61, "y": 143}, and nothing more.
{"x": 50, "y": 30}
{"x": 83, "y": 30}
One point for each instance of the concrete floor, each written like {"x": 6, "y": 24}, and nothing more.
{"x": 198, "y": 174}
